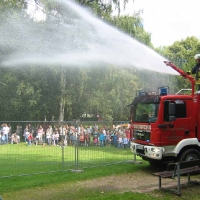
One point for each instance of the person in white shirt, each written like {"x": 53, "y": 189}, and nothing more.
{"x": 5, "y": 131}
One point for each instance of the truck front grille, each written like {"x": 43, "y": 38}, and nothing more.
{"x": 142, "y": 135}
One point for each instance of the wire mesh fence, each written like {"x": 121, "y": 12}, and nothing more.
{"x": 76, "y": 146}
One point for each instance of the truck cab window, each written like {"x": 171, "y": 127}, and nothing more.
{"x": 146, "y": 112}
{"x": 180, "y": 109}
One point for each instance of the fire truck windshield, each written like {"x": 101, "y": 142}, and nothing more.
{"x": 146, "y": 112}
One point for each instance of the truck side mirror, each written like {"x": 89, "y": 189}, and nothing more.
{"x": 172, "y": 118}
{"x": 172, "y": 112}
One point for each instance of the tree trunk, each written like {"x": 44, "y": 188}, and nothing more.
{"x": 62, "y": 95}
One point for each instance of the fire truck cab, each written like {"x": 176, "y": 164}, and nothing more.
{"x": 166, "y": 128}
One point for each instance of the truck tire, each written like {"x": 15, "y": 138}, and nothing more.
{"x": 189, "y": 154}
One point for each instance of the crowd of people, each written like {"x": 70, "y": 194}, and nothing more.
{"x": 63, "y": 135}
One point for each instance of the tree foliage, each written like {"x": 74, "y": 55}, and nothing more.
{"x": 181, "y": 53}
{"x": 132, "y": 25}
{"x": 55, "y": 92}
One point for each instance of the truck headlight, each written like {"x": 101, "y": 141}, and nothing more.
{"x": 155, "y": 150}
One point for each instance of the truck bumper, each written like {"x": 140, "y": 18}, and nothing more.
{"x": 151, "y": 152}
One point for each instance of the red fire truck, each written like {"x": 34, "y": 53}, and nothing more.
{"x": 166, "y": 128}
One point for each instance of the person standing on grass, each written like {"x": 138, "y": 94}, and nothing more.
{"x": 89, "y": 133}
{"x": 5, "y": 131}
{"x": 75, "y": 136}
{"x": 102, "y": 138}
{"x": 108, "y": 137}
{"x": 87, "y": 139}
{"x": 40, "y": 131}
{"x": 18, "y": 130}
{"x": 120, "y": 141}
{"x": 30, "y": 129}
{"x": 30, "y": 139}
{"x": 26, "y": 133}
{"x": 112, "y": 133}
{"x": 81, "y": 138}
{"x": 70, "y": 135}
{"x": 36, "y": 140}
{"x": 53, "y": 138}
{"x": 57, "y": 136}
{"x": 48, "y": 136}
{"x": 115, "y": 139}
{"x": 125, "y": 141}
{"x": 104, "y": 132}
{"x": 95, "y": 138}
{"x": 95, "y": 128}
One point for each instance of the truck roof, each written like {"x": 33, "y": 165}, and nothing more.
{"x": 156, "y": 98}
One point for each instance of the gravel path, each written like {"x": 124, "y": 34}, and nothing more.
{"x": 139, "y": 181}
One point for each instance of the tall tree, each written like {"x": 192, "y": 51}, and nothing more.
{"x": 181, "y": 53}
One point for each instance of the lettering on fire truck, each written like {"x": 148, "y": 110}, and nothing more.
{"x": 142, "y": 127}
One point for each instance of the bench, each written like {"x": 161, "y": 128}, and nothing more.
{"x": 176, "y": 170}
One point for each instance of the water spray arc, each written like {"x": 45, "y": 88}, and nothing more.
{"x": 79, "y": 39}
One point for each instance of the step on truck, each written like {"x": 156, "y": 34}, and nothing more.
{"x": 166, "y": 128}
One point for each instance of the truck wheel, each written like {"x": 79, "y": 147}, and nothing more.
{"x": 189, "y": 154}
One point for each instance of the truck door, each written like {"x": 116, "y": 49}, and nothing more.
{"x": 177, "y": 122}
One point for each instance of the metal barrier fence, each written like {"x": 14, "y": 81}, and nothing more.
{"x": 24, "y": 158}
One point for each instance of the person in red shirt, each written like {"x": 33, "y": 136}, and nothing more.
{"x": 30, "y": 139}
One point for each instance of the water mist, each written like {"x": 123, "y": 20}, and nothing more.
{"x": 77, "y": 39}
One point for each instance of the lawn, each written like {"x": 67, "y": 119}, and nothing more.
{"x": 72, "y": 186}
{"x": 98, "y": 164}
{"x": 22, "y": 159}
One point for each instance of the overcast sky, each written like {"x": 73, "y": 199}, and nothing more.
{"x": 168, "y": 20}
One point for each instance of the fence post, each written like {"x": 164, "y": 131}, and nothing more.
{"x": 77, "y": 170}
{"x": 134, "y": 160}
{"x": 77, "y": 144}
{"x": 75, "y": 156}
{"x": 63, "y": 153}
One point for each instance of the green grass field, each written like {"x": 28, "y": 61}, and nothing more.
{"x": 62, "y": 184}
{"x": 22, "y": 159}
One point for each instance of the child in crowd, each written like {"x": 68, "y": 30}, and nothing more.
{"x": 48, "y": 136}
{"x": 95, "y": 138}
{"x": 115, "y": 138}
{"x": 30, "y": 139}
{"x": 53, "y": 139}
{"x": 120, "y": 141}
{"x": 81, "y": 139}
{"x": 102, "y": 138}
{"x": 125, "y": 141}
{"x": 56, "y": 138}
